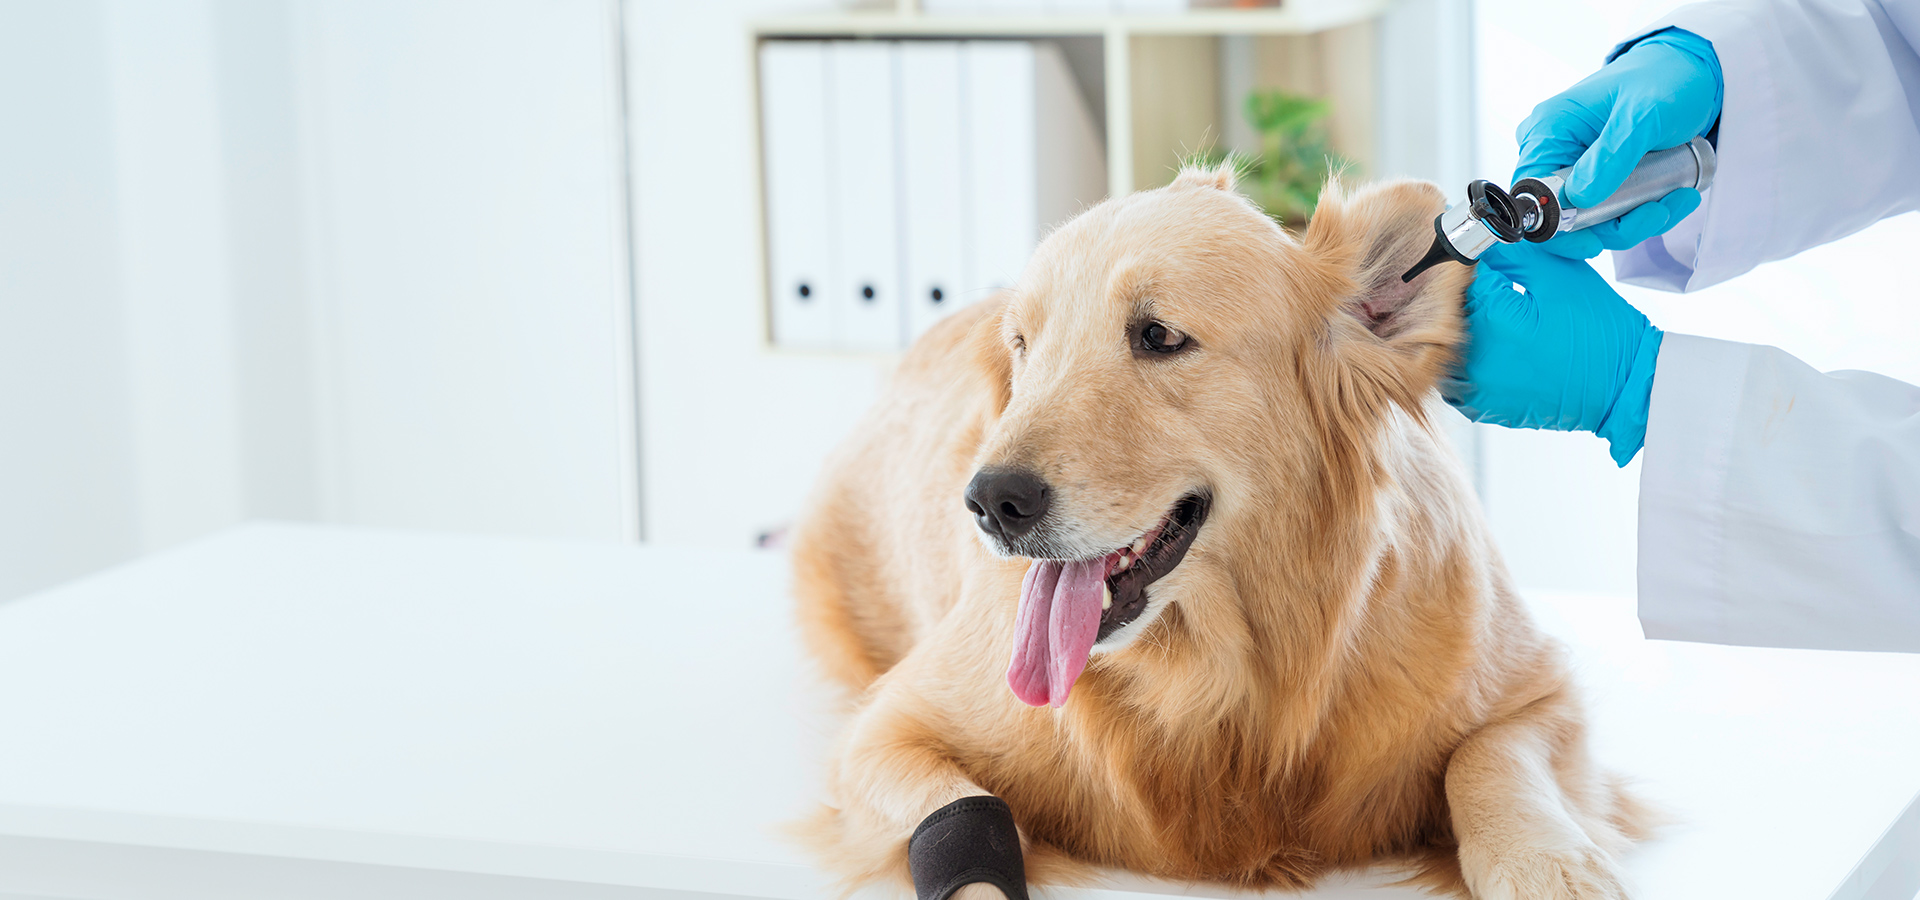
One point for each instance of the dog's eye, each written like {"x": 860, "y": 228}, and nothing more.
{"x": 1019, "y": 343}
{"x": 1156, "y": 337}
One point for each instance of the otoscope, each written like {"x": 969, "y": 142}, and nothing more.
{"x": 1535, "y": 209}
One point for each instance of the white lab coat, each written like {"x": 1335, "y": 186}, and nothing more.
{"x": 1780, "y": 506}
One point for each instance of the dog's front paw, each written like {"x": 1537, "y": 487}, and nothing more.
{"x": 979, "y": 890}
{"x": 1582, "y": 872}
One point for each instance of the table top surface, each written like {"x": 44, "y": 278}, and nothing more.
{"x": 643, "y": 716}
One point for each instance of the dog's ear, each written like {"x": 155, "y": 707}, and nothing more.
{"x": 1399, "y": 335}
{"x": 1220, "y": 176}
{"x": 1386, "y": 342}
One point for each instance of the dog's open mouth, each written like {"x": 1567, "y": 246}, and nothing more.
{"x": 1160, "y": 550}
{"x": 1067, "y": 606}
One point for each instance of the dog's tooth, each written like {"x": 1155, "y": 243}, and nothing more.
{"x": 1106, "y": 596}
{"x": 1140, "y": 546}
{"x": 1124, "y": 562}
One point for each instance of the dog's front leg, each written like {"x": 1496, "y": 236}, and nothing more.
{"x": 979, "y": 890}
{"x": 894, "y": 775}
{"x": 1520, "y": 792}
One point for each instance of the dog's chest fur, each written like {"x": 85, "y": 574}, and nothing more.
{"x": 1240, "y": 799}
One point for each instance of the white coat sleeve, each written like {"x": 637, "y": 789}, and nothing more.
{"x": 1779, "y": 506}
{"x": 1818, "y": 136}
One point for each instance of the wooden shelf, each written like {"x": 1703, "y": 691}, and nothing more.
{"x": 1300, "y": 17}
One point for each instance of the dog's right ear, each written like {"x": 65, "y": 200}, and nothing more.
{"x": 1396, "y": 337}
{"x": 1219, "y": 176}
{"x": 1386, "y": 342}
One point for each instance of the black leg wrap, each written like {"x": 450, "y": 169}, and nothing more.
{"x": 969, "y": 840}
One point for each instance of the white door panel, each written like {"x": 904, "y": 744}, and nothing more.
{"x": 469, "y": 272}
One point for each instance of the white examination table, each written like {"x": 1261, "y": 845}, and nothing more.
{"x": 304, "y": 712}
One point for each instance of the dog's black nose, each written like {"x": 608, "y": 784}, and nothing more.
{"x": 1007, "y": 502}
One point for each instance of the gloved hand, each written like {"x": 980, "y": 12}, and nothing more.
{"x": 1662, "y": 92}
{"x": 1567, "y": 355}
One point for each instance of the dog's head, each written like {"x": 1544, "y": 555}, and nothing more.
{"x": 1178, "y": 365}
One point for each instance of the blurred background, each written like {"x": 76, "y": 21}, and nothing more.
{"x": 629, "y": 270}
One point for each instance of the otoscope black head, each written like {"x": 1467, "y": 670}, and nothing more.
{"x": 1436, "y": 254}
{"x": 1463, "y": 232}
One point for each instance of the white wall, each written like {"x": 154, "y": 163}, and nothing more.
{"x": 1424, "y": 126}
{"x": 1424, "y": 122}
{"x": 464, "y": 201}
{"x": 175, "y": 293}
{"x": 1564, "y": 515}
{"x": 733, "y": 433}
{"x": 66, "y": 432}
{"x": 120, "y": 425}
{"x": 268, "y": 273}
{"x": 361, "y": 262}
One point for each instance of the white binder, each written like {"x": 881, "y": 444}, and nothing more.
{"x": 1036, "y": 155}
{"x": 864, "y": 286}
{"x": 933, "y": 181}
{"x": 793, "y": 95}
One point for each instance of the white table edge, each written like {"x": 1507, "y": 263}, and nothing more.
{"x": 435, "y": 853}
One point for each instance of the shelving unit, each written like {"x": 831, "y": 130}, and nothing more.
{"x": 1301, "y": 18}
{"x": 1168, "y": 85}
{"x": 1159, "y": 73}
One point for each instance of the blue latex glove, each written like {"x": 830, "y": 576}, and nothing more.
{"x": 1662, "y": 92}
{"x": 1568, "y": 354}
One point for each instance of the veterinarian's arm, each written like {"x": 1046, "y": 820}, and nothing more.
{"x": 1817, "y": 132}
{"x": 1779, "y": 506}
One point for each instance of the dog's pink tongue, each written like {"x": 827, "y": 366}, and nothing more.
{"x": 1053, "y": 633}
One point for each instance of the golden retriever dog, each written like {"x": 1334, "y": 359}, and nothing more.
{"x": 1160, "y": 549}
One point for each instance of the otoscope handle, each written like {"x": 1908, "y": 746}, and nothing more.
{"x": 1537, "y": 208}
{"x": 1690, "y": 165}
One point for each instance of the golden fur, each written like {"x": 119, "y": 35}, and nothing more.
{"x": 1339, "y": 672}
